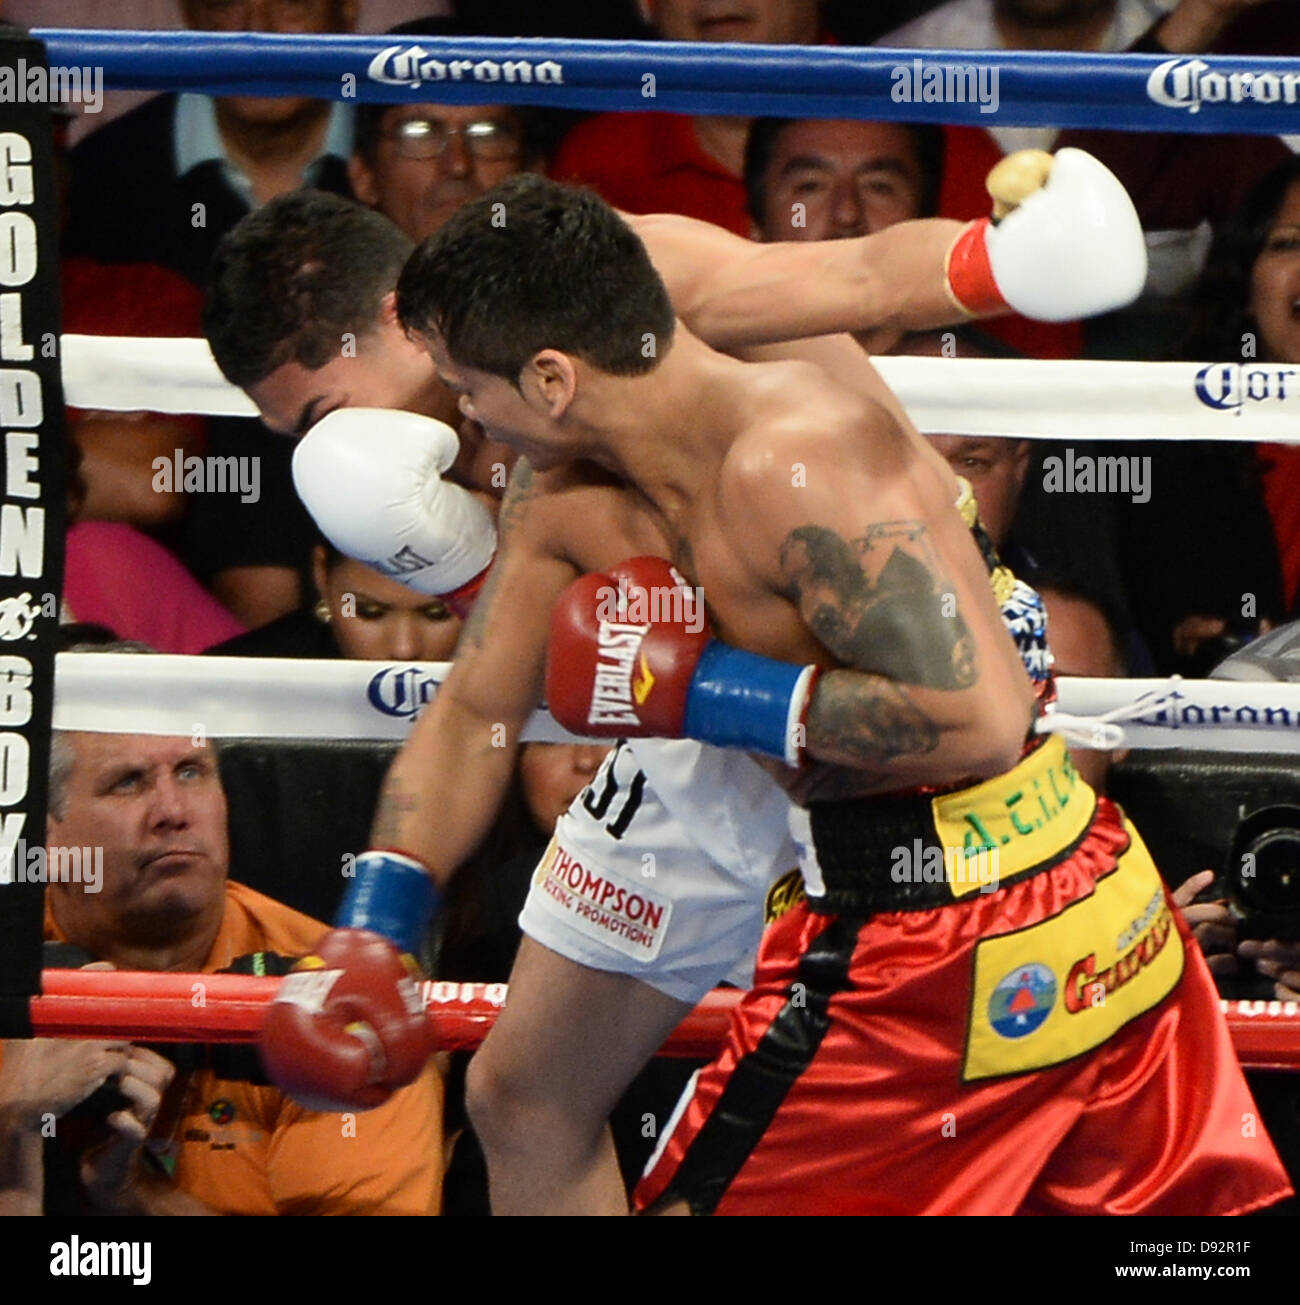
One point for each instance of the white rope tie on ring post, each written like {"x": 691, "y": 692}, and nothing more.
{"x": 1103, "y": 731}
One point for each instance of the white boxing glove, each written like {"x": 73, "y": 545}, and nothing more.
{"x": 1070, "y": 244}
{"x": 372, "y": 479}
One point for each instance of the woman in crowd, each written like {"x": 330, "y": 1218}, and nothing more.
{"x": 358, "y": 613}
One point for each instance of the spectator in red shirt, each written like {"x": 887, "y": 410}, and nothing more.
{"x": 670, "y": 162}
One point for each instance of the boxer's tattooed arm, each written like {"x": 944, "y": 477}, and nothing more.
{"x": 881, "y": 603}
{"x": 396, "y": 802}
{"x": 869, "y": 724}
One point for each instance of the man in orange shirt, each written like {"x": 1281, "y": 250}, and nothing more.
{"x": 153, "y": 808}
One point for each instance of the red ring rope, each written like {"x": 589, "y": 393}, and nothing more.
{"x": 151, "y": 1007}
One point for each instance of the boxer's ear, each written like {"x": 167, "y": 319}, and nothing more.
{"x": 549, "y": 381}
{"x": 388, "y": 321}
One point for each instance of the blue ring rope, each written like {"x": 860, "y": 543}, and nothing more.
{"x": 1201, "y": 94}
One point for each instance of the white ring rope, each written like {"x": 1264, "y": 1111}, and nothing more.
{"x": 122, "y": 373}
{"x": 1071, "y": 400}
{"x": 285, "y": 698}
{"x": 250, "y": 697}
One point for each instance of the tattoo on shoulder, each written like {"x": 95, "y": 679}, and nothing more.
{"x": 881, "y": 603}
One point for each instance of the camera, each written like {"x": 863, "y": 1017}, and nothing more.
{"x": 1236, "y": 812}
{"x": 1263, "y": 873}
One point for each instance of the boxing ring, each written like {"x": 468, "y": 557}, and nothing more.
{"x": 1212, "y": 400}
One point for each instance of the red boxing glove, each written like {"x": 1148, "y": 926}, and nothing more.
{"x": 624, "y": 647}
{"x": 347, "y": 1026}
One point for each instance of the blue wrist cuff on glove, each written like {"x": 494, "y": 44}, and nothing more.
{"x": 393, "y": 895}
{"x": 739, "y": 699}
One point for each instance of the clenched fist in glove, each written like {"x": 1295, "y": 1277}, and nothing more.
{"x": 1064, "y": 241}
{"x": 348, "y": 1026}
{"x": 372, "y": 479}
{"x": 630, "y": 657}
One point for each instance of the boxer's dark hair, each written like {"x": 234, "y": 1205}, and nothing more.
{"x": 534, "y": 265}
{"x": 760, "y": 145}
{"x": 289, "y": 280}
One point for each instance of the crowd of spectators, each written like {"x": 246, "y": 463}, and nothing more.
{"x": 1172, "y": 583}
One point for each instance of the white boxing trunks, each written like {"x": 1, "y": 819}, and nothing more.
{"x": 666, "y": 868}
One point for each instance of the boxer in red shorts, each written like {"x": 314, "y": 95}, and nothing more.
{"x": 853, "y": 640}
{"x": 954, "y": 1075}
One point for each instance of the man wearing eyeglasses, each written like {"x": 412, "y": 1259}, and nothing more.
{"x": 418, "y": 163}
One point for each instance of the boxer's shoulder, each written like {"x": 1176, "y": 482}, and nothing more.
{"x": 806, "y": 430}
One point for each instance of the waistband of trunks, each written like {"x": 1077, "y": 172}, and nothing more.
{"x": 912, "y": 852}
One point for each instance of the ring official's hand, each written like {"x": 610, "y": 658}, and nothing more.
{"x": 40, "y": 1076}
{"x": 110, "y": 1171}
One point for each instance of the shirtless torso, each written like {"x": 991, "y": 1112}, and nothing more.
{"x": 818, "y": 530}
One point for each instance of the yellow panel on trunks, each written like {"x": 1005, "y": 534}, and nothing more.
{"x": 1018, "y": 820}
{"x": 1057, "y": 989}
